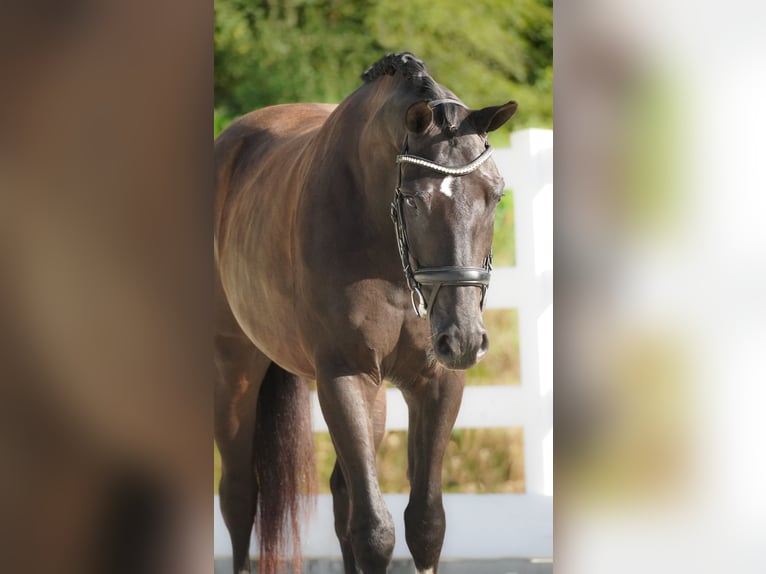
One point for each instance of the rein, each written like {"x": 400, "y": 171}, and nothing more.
{"x": 436, "y": 276}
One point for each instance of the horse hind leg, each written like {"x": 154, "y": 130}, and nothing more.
{"x": 240, "y": 369}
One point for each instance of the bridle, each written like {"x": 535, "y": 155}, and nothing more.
{"x": 436, "y": 276}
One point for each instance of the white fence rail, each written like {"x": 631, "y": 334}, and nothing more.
{"x": 491, "y": 525}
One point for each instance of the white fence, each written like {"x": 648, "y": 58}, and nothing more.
{"x": 491, "y": 525}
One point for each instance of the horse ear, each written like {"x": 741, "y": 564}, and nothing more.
{"x": 489, "y": 119}
{"x": 419, "y": 117}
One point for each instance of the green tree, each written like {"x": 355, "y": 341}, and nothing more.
{"x": 279, "y": 51}
{"x": 486, "y": 51}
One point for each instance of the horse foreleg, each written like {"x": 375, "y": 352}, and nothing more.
{"x": 367, "y": 533}
{"x": 433, "y": 407}
{"x": 340, "y": 498}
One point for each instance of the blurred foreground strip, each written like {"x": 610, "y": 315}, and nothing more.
{"x": 105, "y": 170}
{"x": 661, "y": 269}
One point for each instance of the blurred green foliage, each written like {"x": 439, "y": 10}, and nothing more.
{"x": 478, "y": 460}
{"x": 486, "y": 51}
{"x": 501, "y": 366}
{"x": 504, "y": 241}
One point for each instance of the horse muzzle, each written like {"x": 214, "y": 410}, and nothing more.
{"x": 460, "y": 349}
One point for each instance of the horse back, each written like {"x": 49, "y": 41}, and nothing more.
{"x": 249, "y": 141}
{"x": 260, "y": 160}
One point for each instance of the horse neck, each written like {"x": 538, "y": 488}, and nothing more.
{"x": 365, "y": 133}
{"x": 379, "y": 141}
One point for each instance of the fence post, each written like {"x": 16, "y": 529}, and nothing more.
{"x": 528, "y": 172}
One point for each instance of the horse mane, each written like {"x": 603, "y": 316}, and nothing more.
{"x": 414, "y": 71}
{"x": 410, "y": 67}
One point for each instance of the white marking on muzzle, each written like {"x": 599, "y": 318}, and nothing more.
{"x": 446, "y": 186}
{"x": 427, "y": 571}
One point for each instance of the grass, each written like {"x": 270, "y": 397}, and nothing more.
{"x": 501, "y": 365}
{"x": 504, "y": 240}
{"x": 477, "y": 461}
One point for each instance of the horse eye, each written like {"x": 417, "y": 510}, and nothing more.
{"x": 410, "y": 201}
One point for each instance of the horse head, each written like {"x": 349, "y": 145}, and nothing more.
{"x": 447, "y": 191}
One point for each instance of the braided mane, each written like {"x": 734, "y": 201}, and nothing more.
{"x": 412, "y": 69}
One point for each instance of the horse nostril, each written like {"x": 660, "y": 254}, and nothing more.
{"x": 443, "y": 346}
{"x": 484, "y": 347}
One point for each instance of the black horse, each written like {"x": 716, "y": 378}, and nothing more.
{"x": 315, "y": 282}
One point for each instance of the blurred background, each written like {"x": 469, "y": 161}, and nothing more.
{"x": 279, "y": 51}
{"x": 660, "y": 248}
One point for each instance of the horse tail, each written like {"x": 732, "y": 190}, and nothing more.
{"x": 283, "y": 452}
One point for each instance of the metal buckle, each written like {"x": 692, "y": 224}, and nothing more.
{"x": 420, "y": 305}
